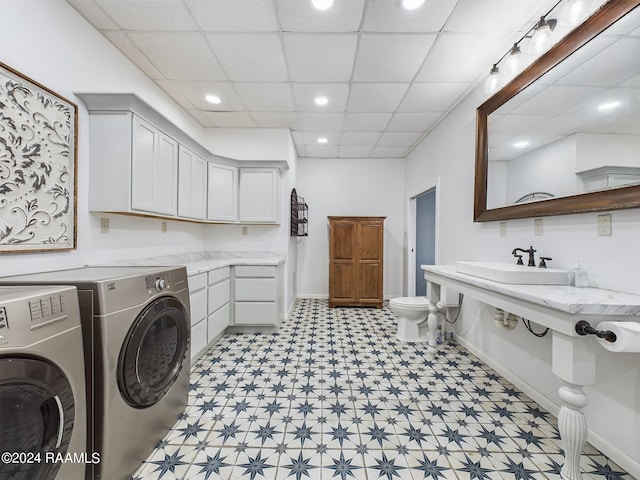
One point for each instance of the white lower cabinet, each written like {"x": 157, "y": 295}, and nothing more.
{"x": 198, "y": 304}
{"x": 257, "y": 295}
{"x": 218, "y": 302}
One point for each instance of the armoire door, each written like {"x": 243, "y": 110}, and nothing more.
{"x": 343, "y": 267}
{"x": 369, "y": 261}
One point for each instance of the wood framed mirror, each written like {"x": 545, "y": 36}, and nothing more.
{"x": 554, "y": 102}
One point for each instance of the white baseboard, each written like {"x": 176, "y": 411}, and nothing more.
{"x": 631, "y": 465}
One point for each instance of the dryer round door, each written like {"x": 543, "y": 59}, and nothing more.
{"x": 154, "y": 352}
{"x": 37, "y": 413}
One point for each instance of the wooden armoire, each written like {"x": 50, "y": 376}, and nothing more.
{"x": 356, "y": 252}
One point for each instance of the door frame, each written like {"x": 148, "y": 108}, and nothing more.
{"x": 410, "y": 266}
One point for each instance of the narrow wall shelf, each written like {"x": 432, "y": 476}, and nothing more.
{"x": 299, "y": 216}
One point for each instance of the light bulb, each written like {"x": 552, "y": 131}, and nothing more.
{"x": 213, "y": 99}
{"x": 574, "y": 13}
{"x": 541, "y": 39}
{"x": 323, "y": 140}
{"x": 321, "y": 100}
{"x": 514, "y": 62}
{"x": 322, "y": 4}
{"x": 492, "y": 83}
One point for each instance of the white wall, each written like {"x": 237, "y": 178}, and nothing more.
{"x": 447, "y": 154}
{"x": 50, "y": 43}
{"x": 349, "y": 187}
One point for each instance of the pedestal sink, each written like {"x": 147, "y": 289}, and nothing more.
{"x": 514, "y": 274}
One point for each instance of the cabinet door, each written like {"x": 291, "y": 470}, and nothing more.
{"x": 343, "y": 273}
{"x": 192, "y": 184}
{"x": 144, "y": 145}
{"x": 222, "y": 192}
{"x": 166, "y": 176}
{"x": 258, "y": 195}
{"x": 370, "y": 255}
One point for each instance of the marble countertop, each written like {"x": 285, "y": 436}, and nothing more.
{"x": 199, "y": 262}
{"x": 569, "y": 299}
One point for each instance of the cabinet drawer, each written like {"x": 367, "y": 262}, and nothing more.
{"x": 218, "y": 274}
{"x": 255, "y": 289}
{"x": 218, "y": 322}
{"x": 196, "y": 282}
{"x": 255, "y": 271}
{"x": 255, "y": 313}
{"x": 198, "y": 339}
{"x": 218, "y": 295}
{"x": 198, "y": 301}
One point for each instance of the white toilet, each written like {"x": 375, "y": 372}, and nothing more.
{"x": 412, "y": 315}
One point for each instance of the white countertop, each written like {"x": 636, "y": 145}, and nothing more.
{"x": 199, "y": 262}
{"x": 569, "y": 299}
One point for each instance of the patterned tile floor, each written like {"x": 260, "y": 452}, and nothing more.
{"x": 334, "y": 395}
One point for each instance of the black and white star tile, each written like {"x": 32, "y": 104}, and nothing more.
{"x": 334, "y": 395}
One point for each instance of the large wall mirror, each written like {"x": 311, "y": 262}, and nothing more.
{"x": 564, "y": 135}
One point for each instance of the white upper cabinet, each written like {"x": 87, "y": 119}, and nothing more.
{"x": 258, "y": 195}
{"x": 222, "y": 193}
{"x": 192, "y": 184}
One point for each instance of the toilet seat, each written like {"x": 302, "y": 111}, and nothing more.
{"x": 410, "y": 303}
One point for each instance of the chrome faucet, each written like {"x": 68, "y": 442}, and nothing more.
{"x": 530, "y": 251}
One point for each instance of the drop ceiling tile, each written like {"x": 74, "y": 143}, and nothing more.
{"x": 376, "y": 97}
{"x": 399, "y": 138}
{"x": 311, "y": 138}
{"x": 179, "y": 56}
{"x": 462, "y": 57}
{"x": 366, "y": 122}
{"x": 412, "y": 122}
{"x": 329, "y": 122}
{"x": 196, "y": 91}
{"x": 320, "y": 57}
{"x": 336, "y": 93}
{"x": 355, "y": 152}
{"x": 276, "y": 119}
{"x": 122, "y": 41}
{"x": 301, "y": 16}
{"x": 234, "y": 16}
{"x": 201, "y": 118}
{"x": 322, "y": 152}
{"x": 385, "y": 151}
{"x": 93, "y": 13}
{"x": 250, "y": 57}
{"x": 266, "y": 97}
{"x": 496, "y": 15}
{"x": 387, "y": 16}
{"x": 390, "y": 57}
{"x": 360, "y": 138}
{"x": 177, "y": 94}
{"x": 231, "y": 119}
{"x": 431, "y": 97}
{"x": 156, "y": 15}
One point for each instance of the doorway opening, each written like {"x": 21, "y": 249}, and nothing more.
{"x": 425, "y": 237}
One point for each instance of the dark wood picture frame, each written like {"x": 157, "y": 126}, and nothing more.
{"x": 38, "y": 166}
{"x": 619, "y": 198}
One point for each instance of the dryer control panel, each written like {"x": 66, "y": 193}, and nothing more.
{"x": 158, "y": 282}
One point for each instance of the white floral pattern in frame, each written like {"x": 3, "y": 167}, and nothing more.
{"x": 38, "y": 160}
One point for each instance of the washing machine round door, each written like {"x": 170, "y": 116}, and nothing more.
{"x": 37, "y": 413}
{"x": 154, "y": 352}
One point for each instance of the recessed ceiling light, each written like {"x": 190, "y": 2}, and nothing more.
{"x": 322, "y": 4}
{"x": 412, "y": 4}
{"x": 608, "y": 106}
{"x": 321, "y": 100}
{"x": 322, "y": 140}
{"x": 521, "y": 144}
{"x": 213, "y": 99}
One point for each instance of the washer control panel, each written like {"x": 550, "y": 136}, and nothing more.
{"x": 159, "y": 282}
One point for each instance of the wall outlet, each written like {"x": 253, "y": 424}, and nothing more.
{"x": 604, "y": 225}
{"x": 503, "y": 229}
{"x": 537, "y": 226}
{"x": 164, "y": 227}
{"x": 104, "y": 225}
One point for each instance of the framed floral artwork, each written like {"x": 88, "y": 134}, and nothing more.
{"x": 38, "y": 161}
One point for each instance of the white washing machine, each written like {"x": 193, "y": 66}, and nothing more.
{"x": 136, "y": 323}
{"x": 42, "y": 384}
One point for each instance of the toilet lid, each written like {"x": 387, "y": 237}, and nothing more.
{"x": 410, "y": 301}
